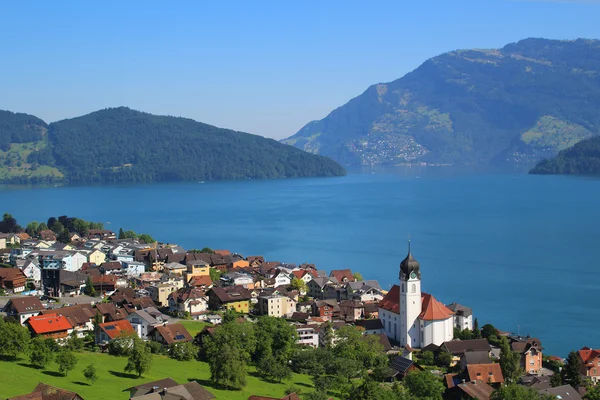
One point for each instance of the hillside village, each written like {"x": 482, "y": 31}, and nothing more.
{"x": 101, "y": 286}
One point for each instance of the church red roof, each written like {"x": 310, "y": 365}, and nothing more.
{"x": 431, "y": 309}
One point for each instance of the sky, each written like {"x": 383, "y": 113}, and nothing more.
{"x": 264, "y": 67}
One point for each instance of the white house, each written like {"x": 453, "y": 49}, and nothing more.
{"x": 142, "y": 323}
{"x": 463, "y": 316}
{"x": 308, "y": 335}
{"x": 411, "y": 317}
{"x": 192, "y": 300}
{"x": 31, "y": 269}
{"x": 276, "y": 306}
{"x": 133, "y": 268}
{"x": 282, "y": 278}
{"x": 237, "y": 279}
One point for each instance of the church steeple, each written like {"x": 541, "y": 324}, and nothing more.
{"x": 409, "y": 267}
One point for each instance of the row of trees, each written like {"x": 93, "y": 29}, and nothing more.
{"x": 144, "y": 237}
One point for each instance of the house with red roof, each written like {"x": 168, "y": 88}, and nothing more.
{"x": 412, "y": 317}
{"x": 108, "y": 331}
{"x": 590, "y": 363}
{"x": 52, "y": 326}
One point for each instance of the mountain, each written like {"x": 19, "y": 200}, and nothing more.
{"x": 583, "y": 158}
{"x": 514, "y": 105}
{"x": 123, "y": 145}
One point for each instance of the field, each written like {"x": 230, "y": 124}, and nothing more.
{"x": 17, "y": 378}
{"x": 193, "y": 327}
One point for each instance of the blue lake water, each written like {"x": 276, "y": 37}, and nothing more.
{"x": 523, "y": 251}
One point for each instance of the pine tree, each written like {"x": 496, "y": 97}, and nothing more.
{"x": 571, "y": 371}
{"x": 476, "y": 330}
{"x": 121, "y": 233}
{"x": 509, "y": 362}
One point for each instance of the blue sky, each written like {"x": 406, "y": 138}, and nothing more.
{"x": 265, "y": 67}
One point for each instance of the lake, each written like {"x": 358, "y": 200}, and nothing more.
{"x": 523, "y": 251}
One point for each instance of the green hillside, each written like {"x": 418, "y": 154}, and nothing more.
{"x": 583, "y": 158}
{"x": 123, "y": 145}
{"x": 514, "y": 105}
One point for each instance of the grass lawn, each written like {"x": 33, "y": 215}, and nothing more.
{"x": 18, "y": 378}
{"x": 194, "y": 327}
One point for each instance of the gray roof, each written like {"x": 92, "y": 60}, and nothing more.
{"x": 400, "y": 364}
{"x": 564, "y": 392}
{"x": 146, "y": 317}
{"x": 476, "y": 357}
{"x": 460, "y": 310}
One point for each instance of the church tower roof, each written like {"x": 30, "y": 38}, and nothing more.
{"x": 409, "y": 265}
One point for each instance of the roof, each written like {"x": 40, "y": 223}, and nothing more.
{"x": 145, "y": 315}
{"x": 79, "y": 314}
{"x": 24, "y": 304}
{"x": 200, "y": 280}
{"x": 10, "y": 274}
{"x": 174, "y": 333}
{"x": 476, "y": 389}
{"x": 161, "y": 383}
{"x": 49, "y": 323}
{"x": 459, "y": 309}
{"x": 370, "y": 324}
{"x": 433, "y": 310}
{"x": 409, "y": 265}
{"x": 477, "y": 357}
{"x": 384, "y": 341}
{"x": 522, "y": 345}
{"x": 231, "y": 293}
{"x": 189, "y": 391}
{"x": 115, "y": 329}
{"x": 587, "y": 354}
{"x": 291, "y": 396}
{"x": 342, "y": 275}
{"x": 486, "y": 372}
{"x": 47, "y": 392}
{"x": 401, "y": 364}
{"x": 563, "y": 392}
{"x": 112, "y": 266}
{"x": 460, "y": 346}
{"x": 391, "y": 301}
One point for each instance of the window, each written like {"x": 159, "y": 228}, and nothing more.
{"x": 594, "y": 371}
{"x": 402, "y": 288}
{"x": 478, "y": 374}
{"x": 413, "y": 288}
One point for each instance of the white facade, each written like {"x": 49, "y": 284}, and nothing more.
{"x": 463, "y": 322}
{"x": 134, "y": 268}
{"x": 390, "y": 321}
{"x": 77, "y": 261}
{"x": 437, "y": 332}
{"x": 276, "y": 306}
{"x": 308, "y": 335}
{"x": 410, "y": 308}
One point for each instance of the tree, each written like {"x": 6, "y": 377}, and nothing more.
{"x": 74, "y": 342}
{"x": 371, "y": 390}
{"x": 89, "y": 287}
{"x": 513, "y": 391}
{"x": 571, "y": 372}
{"x": 57, "y": 227}
{"x": 424, "y": 385}
{"x": 476, "y": 330}
{"x": 32, "y": 228}
{"x": 215, "y": 274}
{"x": 298, "y": 284}
{"x": 228, "y": 351}
{"x": 144, "y": 237}
{"x": 140, "y": 358}
{"x": 510, "y": 362}
{"x": 64, "y": 236}
{"x": 9, "y": 224}
{"x": 328, "y": 334}
{"x": 556, "y": 380}
{"x": 184, "y": 351}
{"x": 426, "y": 358}
{"x": 121, "y": 234}
{"x": 444, "y": 359}
{"x": 66, "y": 361}
{"x": 122, "y": 344}
{"x": 592, "y": 393}
{"x": 41, "y": 354}
{"x": 14, "y": 339}
{"x": 90, "y": 373}
{"x": 358, "y": 277}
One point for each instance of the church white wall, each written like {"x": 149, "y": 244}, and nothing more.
{"x": 390, "y": 323}
{"x": 437, "y": 332}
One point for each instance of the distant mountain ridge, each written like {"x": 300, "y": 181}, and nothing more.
{"x": 515, "y": 105}
{"x": 123, "y": 145}
{"x": 581, "y": 159}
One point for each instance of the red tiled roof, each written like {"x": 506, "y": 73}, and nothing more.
{"x": 391, "y": 301}
{"x": 487, "y": 372}
{"x": 118, "y": 328}
{"x": 340, "y": 274}
{"x": 49, "y": 323}
{"x": 25, "y": 304}
{"x": 587, "y": 354}
{"x": 174, "y": 333}
{"x": 200, "y": 280}
{"x": 433, "y": 310}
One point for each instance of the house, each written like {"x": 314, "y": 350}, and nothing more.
{"x": 370, "y": 326}
{"x": 530, "y": 350}
{"x": 291, "y": 396}
{"x": 214, "y": 319}
{"x": 71, "y": 283}
{"x": 32, "y": 271}
{"x": 110, "y": 312}
{"x": 175, "y": 268}
{"x": 191, "y": 300}
{"x": 196, "y": 268}
{"x": 12, "y": 280}
{"x": 23, "y": 307}
{"x": 463, "y": 316}
{"x": 351, "y": 310}
{"x": 458, "y": 347}
{"x": 564, "y": 392}
{"x": 111, "y": 267}
{"x": 304, "y": 274}
{"x": 238, "y": 279}
{"x": 230, "y": 297}
{"x": 326, "y": 308}
{"x": 342, "y": 275}
{"x": 308, "y": 335}
{"x": 173, "y": 279}
{"x": 202, "y": 282}
{"x": 490, "y": 373}
{"x": 47, "y": 392}
{"x": 108, "y": 331}
{"x": 102, "y": 234}
{"x": 51, "y": 326}
{"x": 317, "y": 288}
{"x": 367, "y": 291}
{"x": 474, "y": 357}
{"x": 47, "y": 235}
{"x": 590, "y": 363}
{"x": 478, "y": 390}
{"x": 133, "y": 268}
{"x": 168, "y": 389}
{"x": 143, "y": 323}
{"x": 169, "y": 334}
{"x": 276, "y": 306}
{"x": 80, "y": 316}
{"x": 282, "y": 279}
{"x": 96, "y": 257}
{"x": 160, "y": 293}
{"x": 401, "y": 366}
{"x": 3, "y": 237}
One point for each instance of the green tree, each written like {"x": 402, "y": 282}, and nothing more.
{"x": 184, "y": 351}
{"x": 328, "y": 335}
{"x": 476, "y": 330}
{"x": 14, "y": 339}
{"x": 358, "y": 277}
{"x": 444, "y": 359}
{"x": 510, "y": 362}
{"x": 556, "y": 380}
{"x": 371, "y": 390}
{"x": 426, "y": 358}
{"x": 228, "y": 351}
{"x": 89, "y": 287}
{"x": 81, "y": 227}
{"x": 144, "y": 237}
{"x": 66, "y": 361}
{"x": 9, "y": 224}
{"x": 89, "y": 373}
{"x": 592, "y": 393}
{"x": 424, "y": 385}
{"x": 488, "y": 330}
{"x": 140, "y": 358}
{"x": 298, "y": 284}
{"x": 64, "y": 236}
{"x": 512, "y": 391}
{"x": 74, "y": 342}
{"x": 215, "y": 274}
{"x": 57, "y": 227}
{"x": 121, "y": 234}
{"x": 571, "y": 372}
{"x": 41, "y": 354}
{"x": 32, "y": 228}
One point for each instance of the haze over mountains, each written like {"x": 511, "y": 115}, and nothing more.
{"x": 514, "y": 105}
{"x": 123, "y": 145}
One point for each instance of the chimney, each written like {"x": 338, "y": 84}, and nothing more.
{"x": 154, "y": 389}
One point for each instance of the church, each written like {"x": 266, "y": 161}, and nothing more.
{"x": 411, "y": 317}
